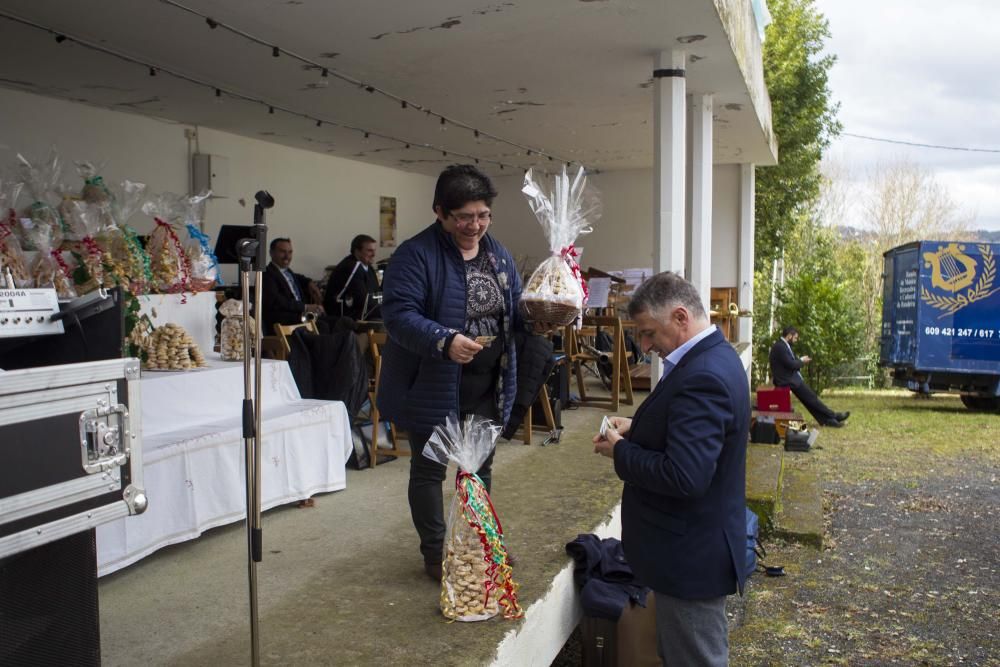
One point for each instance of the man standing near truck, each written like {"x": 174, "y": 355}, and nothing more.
{"x": 785, "y": 372}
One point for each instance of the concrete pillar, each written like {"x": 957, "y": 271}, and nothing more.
{"x": 701, "y": 197}
{"x": 746, "y": 249}
{"x": 669, "y": 90}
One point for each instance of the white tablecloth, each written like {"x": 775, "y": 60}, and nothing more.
{"x": 193, "y": 455}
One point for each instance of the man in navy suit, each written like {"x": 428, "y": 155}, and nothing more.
{"x": 286, "y": 296}
{"x": 683, "y": 460}
{"x": 785, "y": 372}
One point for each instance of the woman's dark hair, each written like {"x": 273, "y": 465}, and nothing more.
{"x": 359, "y": 241}
{"x": 461, "y": 183}
{"x": 788, "y": 330}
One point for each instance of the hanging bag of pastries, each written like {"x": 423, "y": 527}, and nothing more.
{"x": 169, "y": 263}
{"x": 204, "y": 265}
{"x": 50, "y": 268}
{"x": 41, "y": 181}
{"x": 126, "y": 259}
{"x": 84, "y": 222}
{"x": 477, "y": 579}
{"x": 556, "y": 292}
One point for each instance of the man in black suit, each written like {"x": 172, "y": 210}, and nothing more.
{"x": 683, "y": 460}
{"x": 286, "y": 296}
{"x": 785, "y": 367}
{"x": 353, "y": 284}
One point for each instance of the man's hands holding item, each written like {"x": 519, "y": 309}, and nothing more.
{"x": 805, "y": 359}
{"x": 314, "y": 294}
{"x": 612, "y": 430}
{"x": 314, "y": 308}
{"x": 463, "y": 349}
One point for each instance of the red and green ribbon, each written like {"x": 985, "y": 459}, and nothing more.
{"x": 477, "y": 508}
{"x": 570, "y": 253}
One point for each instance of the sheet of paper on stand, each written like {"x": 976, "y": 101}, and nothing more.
{"x": 599, "y": 290}
{"x": 633, "y": 277}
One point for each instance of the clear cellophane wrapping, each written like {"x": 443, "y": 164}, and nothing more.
{"x": 477, "y": 579}
{"x": 231, "y": 332}
{"x": 169, "y": 264}
{"x": 50, "y": 268}
{"x": 556, "y": 293}
{"x": 85, "y": 222}
{"x": 204, "y": 265}
{"x": 125, "y": 258}
{"x": 41, "y": 182}
{"x": 11, "y": 254}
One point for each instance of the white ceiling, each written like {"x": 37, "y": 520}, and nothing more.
{"x": 569, "y": 78}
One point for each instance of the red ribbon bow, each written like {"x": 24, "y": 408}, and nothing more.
{"x": 185, "y": 266}
{"x": 570, "y": 253}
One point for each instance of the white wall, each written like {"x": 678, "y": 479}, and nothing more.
{"x": 321, "y": 201}
{"x": 623, "y": 236}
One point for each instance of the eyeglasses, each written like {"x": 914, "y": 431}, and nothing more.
{"x": 469, "y": 218}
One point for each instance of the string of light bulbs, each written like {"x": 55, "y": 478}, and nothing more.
{"x": 326, "y": 72}
{"x": 220, "y": 92}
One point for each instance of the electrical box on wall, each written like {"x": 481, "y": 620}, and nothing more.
{"x": 210, "y": 172}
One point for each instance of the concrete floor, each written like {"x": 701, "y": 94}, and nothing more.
{"x": 343, "y": 583}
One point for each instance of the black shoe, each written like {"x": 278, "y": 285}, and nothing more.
{"x": 834, "y": 423}
{"x": 433, "y": 570}
{"x": 842, "y": 416}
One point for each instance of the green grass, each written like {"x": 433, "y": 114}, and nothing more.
{"x": 893, "y": 435}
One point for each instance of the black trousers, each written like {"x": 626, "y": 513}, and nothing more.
{"x": 817, "y": 408}
{"x": 426, "y": 497}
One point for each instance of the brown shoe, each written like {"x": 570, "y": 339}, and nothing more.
{"x": 308, "y": 502}
{"x": 433, "y": 570}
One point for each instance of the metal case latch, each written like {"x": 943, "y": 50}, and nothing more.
{"x": 102, "y": 434}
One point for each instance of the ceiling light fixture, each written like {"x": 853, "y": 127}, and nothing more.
{"x": 60, "y": 38}
{"x": 275, "y": 52}
{"x": 152, "y": 71}
{"x": 212, "y": 23}
{"x": 270, "y": 110}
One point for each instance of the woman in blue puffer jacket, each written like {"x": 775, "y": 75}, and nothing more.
{"x": 446, "y": 288}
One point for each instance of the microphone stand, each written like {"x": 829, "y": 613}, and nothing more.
{"x": 252, "y": 258}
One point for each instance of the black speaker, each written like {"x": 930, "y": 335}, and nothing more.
{"x": 558, "y": 382}
{"x": 538, "y": 415}
{"x": 48, "y": 604}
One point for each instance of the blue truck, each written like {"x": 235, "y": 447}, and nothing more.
{"x": 941, "y": 319}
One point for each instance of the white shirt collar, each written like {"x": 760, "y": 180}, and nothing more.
{"x": 675, "y": 357}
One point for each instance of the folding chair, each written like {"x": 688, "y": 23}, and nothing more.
{"x": 376, "y": 339}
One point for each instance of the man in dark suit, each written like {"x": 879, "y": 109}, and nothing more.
{"x": 285, "y": 295}
{"x": 683, "y": 460}
{"x": 785, "y": 372}
{"x": 353, "y": 284}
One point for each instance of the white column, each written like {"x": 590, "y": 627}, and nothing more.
{"x": 746, "y": 249}
{"x": 668, "y": 161}
{"x": 669, "y": 89}
{"x": 701, "y": 196}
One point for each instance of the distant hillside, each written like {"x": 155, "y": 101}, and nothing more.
{"x": 847, "y": 232}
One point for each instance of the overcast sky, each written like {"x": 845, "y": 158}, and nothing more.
{"x": 926, "y": 72}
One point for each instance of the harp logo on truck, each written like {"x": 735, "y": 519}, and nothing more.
{"x": 958, "y": 280}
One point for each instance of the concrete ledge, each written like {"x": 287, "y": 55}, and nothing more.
{"x": 800, "y": 516}
{"x": 549, "y": 622}
{"x": 764, "y": 469}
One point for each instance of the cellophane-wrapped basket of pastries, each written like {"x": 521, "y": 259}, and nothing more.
{"x": 556, "y": 292}
{"x": 477, "y": 579}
